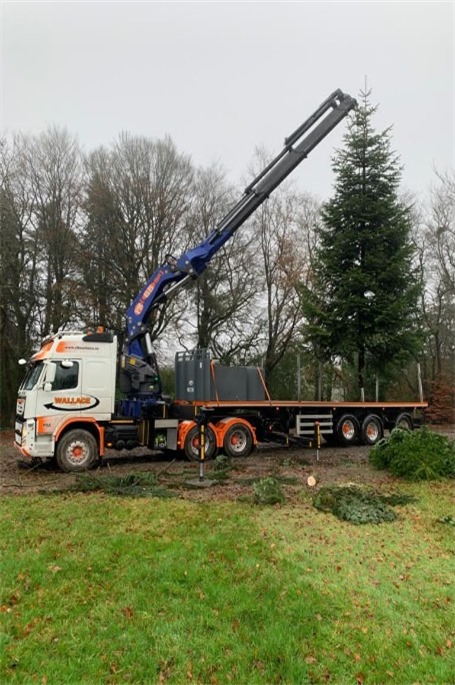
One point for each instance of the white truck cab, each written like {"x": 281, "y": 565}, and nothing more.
{"x": 68, "y": 390}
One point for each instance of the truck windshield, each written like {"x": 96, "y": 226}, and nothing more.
{"x": 32, "y": 376}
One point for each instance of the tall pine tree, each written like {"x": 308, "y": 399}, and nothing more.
{"x": 363, "y": 307}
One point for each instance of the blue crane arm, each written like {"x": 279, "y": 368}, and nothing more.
{"x": 176, "y": 272}
{"x": 173, "y": 274}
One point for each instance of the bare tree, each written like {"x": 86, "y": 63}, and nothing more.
{"x": 103, "y": 298}
{"x": 137, "y": 200}
{"x": 435, "y": 240}
{"x": 222, "y": 317}
{"x": 437, "y": 250}
{"x": 441, "y": 226}
{"x": 19, "y": 305}
{"x": 54, "y": 176}
{"x": 39, "y": 192}
{"x": 284, "y": 235}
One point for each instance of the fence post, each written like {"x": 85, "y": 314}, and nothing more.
{"x": 298, "y": 377}
{"x": 419, "y": 380}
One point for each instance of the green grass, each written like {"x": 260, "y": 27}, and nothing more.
{"x": 104, "y": 589}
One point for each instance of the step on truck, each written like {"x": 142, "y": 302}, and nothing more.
{"x": 67, "y": 406}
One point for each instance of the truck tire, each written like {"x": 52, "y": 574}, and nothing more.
{"x": 191, "y": 446}
{"x": 347, "y": 430}
{"x": 372, "y": 430}
{"x": 238, "y": 440}
{"x": 76, "y": 451}
{"x": 404, "y": 421}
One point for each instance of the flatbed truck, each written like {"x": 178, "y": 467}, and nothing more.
{"x": 67, "y": 408}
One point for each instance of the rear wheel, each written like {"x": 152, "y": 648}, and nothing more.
{"x": 76, "y": 451}
{"x": 372, "y": 430}
{"x": 404, "y": 421}
{"x": 191, "y": 446}
{"x": 238, "y": 441}
{"x": 347, "y": 429}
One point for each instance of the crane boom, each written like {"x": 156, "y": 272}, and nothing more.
{"x": 174, "y": 273}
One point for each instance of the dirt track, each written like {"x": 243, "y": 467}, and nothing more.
{"x": 293, "y": 467}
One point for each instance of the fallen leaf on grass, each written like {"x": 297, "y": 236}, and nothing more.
{"x": 29, "y": 627}
{"x": 128, "y": 612}
{"x": 259, "y": 665}
{"x": 14, "y": 599}
{"x": 54, "y": 568}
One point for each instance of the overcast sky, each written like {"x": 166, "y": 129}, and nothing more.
{"x": 223, "y": 78}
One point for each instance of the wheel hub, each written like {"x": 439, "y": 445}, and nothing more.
{"x": 77, "y": 452}
{"x": 238, "y": 441}
{"x": 372, "y": 431}
{"x": 348, "y": 430}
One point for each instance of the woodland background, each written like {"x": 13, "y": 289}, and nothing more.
{"x": 82, "y": 232}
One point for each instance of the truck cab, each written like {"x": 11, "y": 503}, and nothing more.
{"x": 69, "y": 385}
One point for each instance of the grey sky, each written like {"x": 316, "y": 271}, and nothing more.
{"x": 222, "y": 78}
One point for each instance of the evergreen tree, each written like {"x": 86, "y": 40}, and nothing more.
{"x": 363, "y": 306}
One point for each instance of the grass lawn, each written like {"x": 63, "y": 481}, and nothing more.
{"x": 104, "y": 589}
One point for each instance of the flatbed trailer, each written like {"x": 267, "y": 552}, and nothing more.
{"x": 236, "y": 427}
{"x": 239, "y": 412}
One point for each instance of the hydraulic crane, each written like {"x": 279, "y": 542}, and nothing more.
{"x": 139, "y": 376}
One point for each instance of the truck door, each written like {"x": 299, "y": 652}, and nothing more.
{"x": 63, "y": 393}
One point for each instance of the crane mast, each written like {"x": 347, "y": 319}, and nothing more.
{"x": 139, "y": 372}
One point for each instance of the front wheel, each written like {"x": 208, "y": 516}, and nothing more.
{"x": 76, "y": 451}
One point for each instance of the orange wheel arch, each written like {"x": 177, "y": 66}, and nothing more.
{"x": 223, "y": 426}
{"x": 78, "y": 422}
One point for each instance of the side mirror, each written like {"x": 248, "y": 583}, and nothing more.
{"x": 49, "y": 375}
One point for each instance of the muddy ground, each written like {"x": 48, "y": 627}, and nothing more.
{"x": 291, "y": 465}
